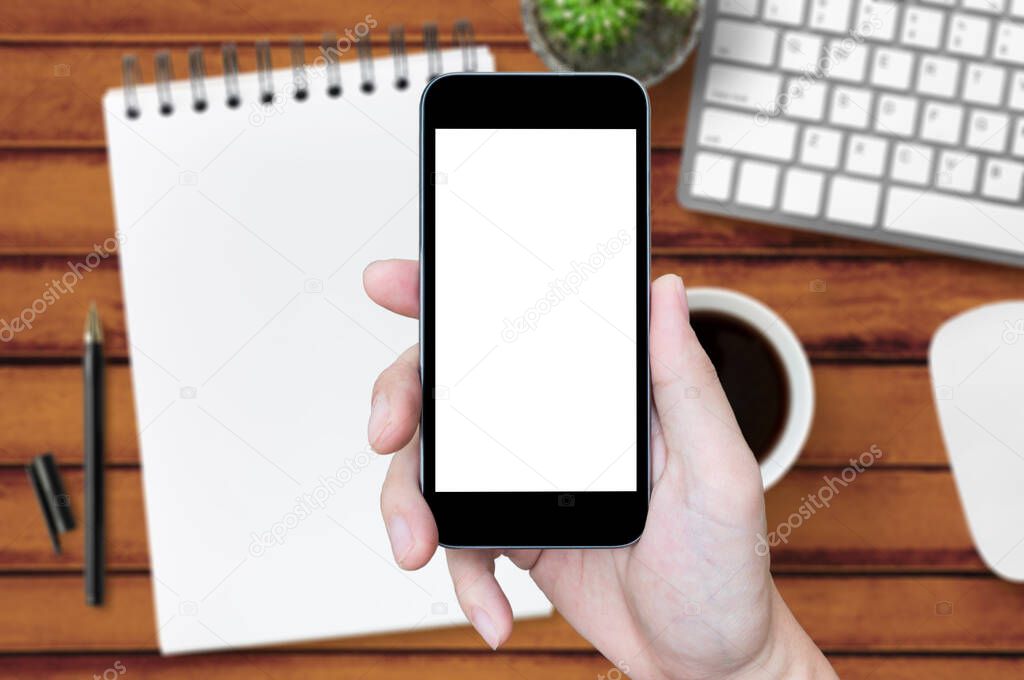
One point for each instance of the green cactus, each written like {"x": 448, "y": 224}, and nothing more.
{"x": 591, "y": 26}
{"x": 680, "y": 7}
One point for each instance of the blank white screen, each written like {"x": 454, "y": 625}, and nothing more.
{"x": 535, "y": 310}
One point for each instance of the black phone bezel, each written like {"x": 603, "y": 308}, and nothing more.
{"x": 582, "y": 519}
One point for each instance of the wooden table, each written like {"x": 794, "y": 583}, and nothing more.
{"x": 886, "y": 580}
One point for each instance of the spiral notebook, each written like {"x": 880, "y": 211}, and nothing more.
{"x": 247, "y": 207}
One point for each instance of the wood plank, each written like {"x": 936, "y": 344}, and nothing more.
{"x": 933, "y": 667}
{"x": 887, "y": 614}
{"x": 865, "y": 308}
{"x": 818, "y": 520}
{"x": 868, "y": 308}
{"x": 65, "y": 83}
{"x": 126, "y": 622}
{"x": 310, "y": 666}
{"x": 102, "y": 20}
{"x": 40, "y": 409}
{"x": 413, "y": 666}
{"x": 83, "y": 217}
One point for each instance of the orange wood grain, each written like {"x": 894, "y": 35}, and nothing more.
{"x": 312, "y": 666}
{"x": 458, "y": 666}
{"x": 57, "y": 100}
{"x": 857, "y": 405}
{"x": 881, "y": 305}
{"x": 850, "y": 528}
{"x": 854, "y": 614}
{"x": 114, "y": 19}
{"x": 868, "y": 308}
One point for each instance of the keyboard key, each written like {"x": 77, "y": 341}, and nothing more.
{"x": 1009, "y": 42}
{"x": 956, "y": 171}
{"x": 830, "y": 16}
{"x": 820, "y": 147}
{"x": 801, "y": 52}
{"x": 987, "y": 131}
{"x": 938, "y": 76}
{"x": 983, "y": 84}
{"x": 853, "y": 201}
{"x": 784, "y": 11}
{"x": 896, "y": 115}
{"x": 968, "y": 35}
{"x": 892, "y": 68}
{"x": 911, "y": 163}
{"x": 990, "y": 6}
{"x": 712, "y": 176}
{"x": 846, "y": 60}
{"x": 743, "y": 87}
{"x": 865, "y": 155}
{"x": 1017, "y": 8}
{"x": 769, "y": 138}
{"x": 801, "y": 192}
{"x": 1003, "y": 180}
{"x": 756, "y": 184}
{"x": 941, "y": 123}
{"x": 1018, "y": 138}
{"x": 1017, "y": 91}
{"x": 805, "y": 100}
{"x": 877, "y": 19}
{"x": 851, "y": 107}
{"x": 922, "y": 27}
{"x": 950, "y": 218}
{"x": 740, "y": 8}
{"x": 744, "y": 42}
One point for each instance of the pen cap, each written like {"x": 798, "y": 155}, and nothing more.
{"x": 56, "y": 501}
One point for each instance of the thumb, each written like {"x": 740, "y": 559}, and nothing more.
{"x": 704, "y": 441}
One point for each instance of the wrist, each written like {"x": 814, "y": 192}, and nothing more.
{"x": 788, "y": 651}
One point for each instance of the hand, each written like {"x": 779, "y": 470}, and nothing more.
{"x": 693, "y": 598}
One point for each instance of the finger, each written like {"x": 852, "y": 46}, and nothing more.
{"x": 693, "y": 411}
{"x": 480, "y": 596}
{"x": 524, "y": 558}
{"x": 410, "y": 524}
{"x": 395, "y": 403}
{"x": 394, "y": 285}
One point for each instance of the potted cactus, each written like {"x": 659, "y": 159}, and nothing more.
{"x": 646, "y": 38}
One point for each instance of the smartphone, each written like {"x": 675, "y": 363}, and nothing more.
{"x": 535, "y": 270}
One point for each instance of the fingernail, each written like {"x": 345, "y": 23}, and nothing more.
{"x": 401, "y": 538}
{"x": 380, "y": 413}
{"x": 483, "y": 624}
{"x": 680, "y": 289}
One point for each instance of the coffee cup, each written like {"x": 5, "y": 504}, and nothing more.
{"x": 765, "y": 373}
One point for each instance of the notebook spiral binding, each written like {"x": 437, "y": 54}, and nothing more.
{"x": 299, "y": 86}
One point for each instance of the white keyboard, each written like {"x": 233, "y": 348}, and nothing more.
{"x": 900, "y": 122}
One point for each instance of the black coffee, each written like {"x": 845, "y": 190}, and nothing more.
{"x": 751, "y": 373}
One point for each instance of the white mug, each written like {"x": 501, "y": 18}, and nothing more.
{"x": 777, "y": 462}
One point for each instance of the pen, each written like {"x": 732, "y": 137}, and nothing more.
{"x": 92, "y": 370}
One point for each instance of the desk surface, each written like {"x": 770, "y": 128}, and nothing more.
{"x": 885, "y": 580}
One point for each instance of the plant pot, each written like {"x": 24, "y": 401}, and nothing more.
{"x": 658, "y": 44}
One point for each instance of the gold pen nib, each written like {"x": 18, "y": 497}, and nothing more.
{"x": 93, "y": 329}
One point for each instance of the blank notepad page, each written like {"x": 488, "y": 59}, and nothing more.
{"x": 243, "y": 235}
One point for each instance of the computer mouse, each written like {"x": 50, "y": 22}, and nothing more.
{"x": 977, "y": 370}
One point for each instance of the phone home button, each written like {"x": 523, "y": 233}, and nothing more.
{"x": 566, "y": 500}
